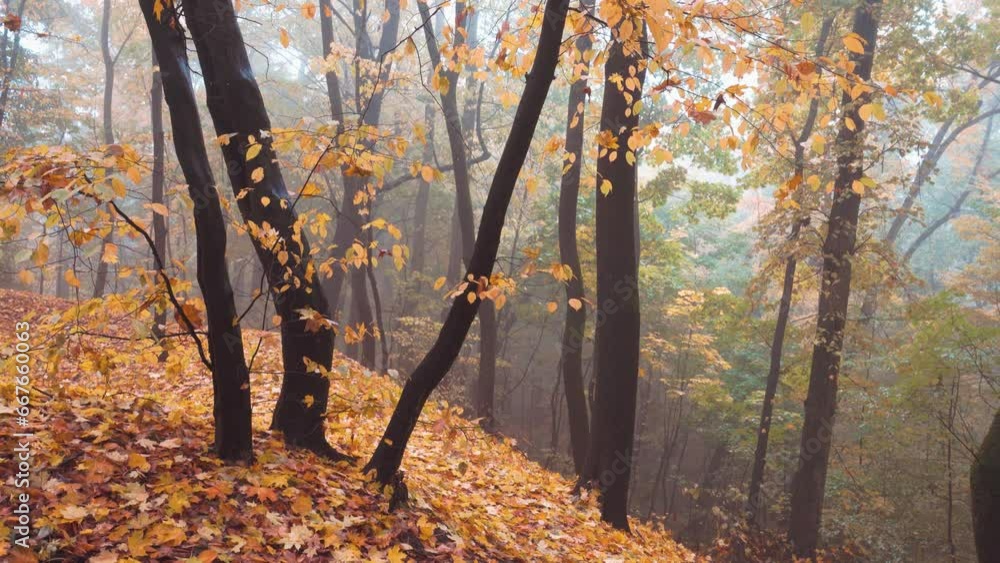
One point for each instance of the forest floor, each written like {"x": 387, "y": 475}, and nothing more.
{"x": 123, "y": 469}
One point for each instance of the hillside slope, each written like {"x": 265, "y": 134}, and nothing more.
{"x": 123, "y": 468}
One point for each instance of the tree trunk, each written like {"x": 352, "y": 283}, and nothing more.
{"x": 838, "y": 251}
{"x": 350, "y": 220}
{"x": 419, "y": 250}
{"x": 159, "y": 221}
{"x": 483, "y": 396}
{"x": 237, "y": 109}
{"x": 985, "y": 483}
{"x": 616, "y": 338}
{"x": 11, "y": 67}
{"x": 956, "y": 207}
{"x": 571, "y": 359}
{"x": 101, "y": 279}
{"x": 388, "y": 455}
{"x": 230, "y": 376}
{"x": 754, "y": 499}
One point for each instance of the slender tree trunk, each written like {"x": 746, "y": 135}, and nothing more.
{"x": 956, "y": 207}
{"x": 11, "y": 67}
{"x": 838, "y": 251}
{"x": 159, "y": 221}
{"x": 483, "y": 396}
{"x": 388, "y": 455}
{"x": 419, "y": 244}
{"x": 754, "y": 498}
{"x": 237, "y": 110}
{"x": 616, "y": 339}
{"x": 230, "y": 376}
{"x": 571, "y": 359}
{"x": 101, "y": 280}
{"x": 985, "y": 483}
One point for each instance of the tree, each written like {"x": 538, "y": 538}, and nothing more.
{"x": 230, "y": 375}
{"x": 241, "y": 121}
{"x": 109, "y": 61}
{"x": 616, "y": 339}
{"x": 432, "y": 368}
{"x": 838, "y": 251}
{"x": 350, "y": 219}
{"x": 483, "y": 394}
{"x": 571, "y": 357}
{"x": 785, "y": 303}
{"x": 985, "y": 482}
{"x": 159, "y": 215}
{"x": 8, "y": 58}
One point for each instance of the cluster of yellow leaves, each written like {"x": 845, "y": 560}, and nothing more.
{"x": 124, "y": 472}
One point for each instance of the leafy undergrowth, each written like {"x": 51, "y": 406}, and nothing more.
{"x": 123, "y": 468}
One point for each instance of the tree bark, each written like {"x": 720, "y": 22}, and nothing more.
{"x": 350, "y": 220}
{"x": 159, "y": 221}
{"x": 101, "y": 279}
{"x": 483, "y": 395}
{"x": 237, "y": 109}
{"x": 571, "y": 359}
{"x": 230, "y": 376}
{"x": 388, "y": 455}
{"x": 754, "y": 499}
{"x": 985, "y": 483}
{"x": 616, "y": 338}
{"x": 838, "y": 252}
{"x": 11, "y": 67}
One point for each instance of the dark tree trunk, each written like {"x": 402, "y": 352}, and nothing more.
{"x": 616, "y": 338}
{"x": 754, "y": 499}
{"x": 230, "y": 377}
{"x": 159, "y": 221}
{"x": 237, "y": 109}
{"x": 571, "y": 359}
{"x": 101, "y": 279}
{"x": 838, "y": 251}
{"x": 985, "y": 482}
{"x": 483, "y": 396}
{"x": 388, "y": 455}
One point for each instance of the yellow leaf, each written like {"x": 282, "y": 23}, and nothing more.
{"x": 605, "y": 187}
{"x": 159, "y": 209}
{"x": 110, "y": 254}
{"x": 551, "y": 306}
{"x": 283, "y": 37}
{"x": 865, "y": 112}
{"x": 575, "y": 303}
{"x": 471, "y": 297}
{"x": 257, "y": 175}
{"x": 310, "y": 190}
{"x": 134, "y": 175}
{"x": 396, "y": 555}
{"x": 858, "y": 187}
{"x": 439, "y": 283}
{"x": 138, "y": 461}
{"x": 302, "y": 505}
{"x": 427, "y": 173}
{"x": 308, "y": 401}
{"x": 27, "y": 277}
{"x": 253, "y": 151}
{"x": 309, "y": 10}
{"x": 854, "y": 43}
{"x": 265, "y": 201}
{"x": 41, "y": 254}
{"x": 70, "y": 277}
